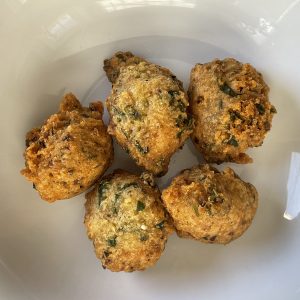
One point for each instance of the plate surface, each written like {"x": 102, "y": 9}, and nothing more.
{"x": 49, "y": 49}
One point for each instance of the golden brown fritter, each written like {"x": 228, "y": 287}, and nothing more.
{"x": 210, "y": 206}
{"x": 69, "y": 152}
{"x": 231, "y": 109}
{"x": 126, "y": 222}
{"x": 148, "y": 110}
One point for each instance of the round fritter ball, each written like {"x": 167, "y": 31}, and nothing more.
{"x": 210, "y": 206}
{"x": 232, "y": 112}
{"x": 126, "y": 221}
{"x": 69, "y": 152}
{"x": 148, "y": 110}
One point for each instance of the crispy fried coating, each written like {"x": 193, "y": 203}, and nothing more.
{"x": 232, "y": 112}
{"x": 69, "y": 152}
{"x": 210, "y": 206}
{"x": 148, "y": 111}
{"x": 126, "y": 221}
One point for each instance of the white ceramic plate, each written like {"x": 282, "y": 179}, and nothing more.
{"x": 52, "y": 47}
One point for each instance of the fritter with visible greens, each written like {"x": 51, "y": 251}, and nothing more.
{"x": 231, "y": 109}
{"x": 126, "y": 221}
{"x": 210, "y": 206}
{"x": 148, "y": 110}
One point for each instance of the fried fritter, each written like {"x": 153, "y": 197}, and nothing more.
{"x": 231, "y": 109}
{"x": 126, "y": 221}
{"x": 148, "y": 110}
{"x": 69, "y": 152}
{"x": 210, "y": 206}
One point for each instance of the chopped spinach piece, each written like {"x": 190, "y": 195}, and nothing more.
{"x": 196, "y": 210}
{"x": 273, "y": 110}
{"x": 183, "y": 124}
{"x": 233, "y": 142}
{"x": 33, "y": 186}
{"x": 235, "y": 115}
{"x": 102, "y": 188}
{"x": 181, "y": 106}
{"x": 186, "y": 122}
{"x": 179, "y": 133}
{"x": 118, "y": 195}
{"x": 260, "y": 108}
{"x": 178, "y": 104}
{"x": 133, "y": 113}
{"x": 125, "y": 133}
{"x": 225, "y": 88}
{"x": 143, "y": 150}
{"x": 127, "y": 185}
{"x": 144, "y": 237}
{"x": 117, "y": 111}
{"x": 232, "y": 116}
{"x": 215, "y": 197}
{"x": 160, "y": 225}
{"x": 220, "y": 104}
{"x": 140, "y": 206}
{"x": 178, "y": 121}
{"x": 173, "y": 93}
{"x": 208, "y": 209}
{"x": 112, "y": 242}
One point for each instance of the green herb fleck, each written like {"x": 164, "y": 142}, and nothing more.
{"x": 179, "y": 133}
{"x": 181, "y": 106}
{"x": 102, "y": 188}
{"x": 220, "y": 104}
{"x": 188, "y": 122}
{"x": 144, "y": 237}
{"x": 225, "y": 88}
{"x": 112, "y": 241}
{"x": 196, "y": 210}
{"x": 260, "y": 108}
{"x": 184, "y": 122}
{"x": 117, "y": 111}
{"x": 273, "y": 110}
{"x": 232, "y": 116}
{"x": 118, "y": 195}
{"x": 235, "y": 115}
{"x": 160, "y": 225}
{"x": 178, "y": 104}
{"x": 143, "y": 150}
{"x": 33, "y": 186}
{"x": 233, "y": 142}
{"x": 140, "y": 206}
{"x": 215, "y": 197}
{"x": 126, "y": 134}
{"x": 208, "y": 209}
{"x": 133, "y": 113}
{"x": 129, "y": 184}
{"x": 172, "y": 95}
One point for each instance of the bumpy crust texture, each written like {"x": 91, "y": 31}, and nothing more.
{"x": 231, "y": 109}
{"x": 210, "y": 206}
{"x": 148, "y": 110}
{"x": 69, "y": 152}
{"x": 126, "y": 222}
